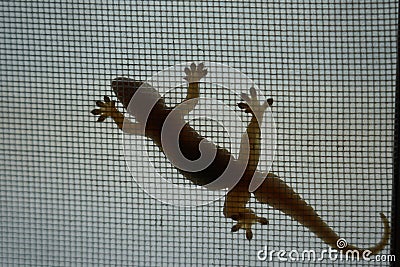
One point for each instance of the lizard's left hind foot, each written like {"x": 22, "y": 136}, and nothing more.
{"x": 245, "y": 220}
{"x": 235, "y": 208}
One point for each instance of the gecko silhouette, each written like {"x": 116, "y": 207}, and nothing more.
{"x": 273, "y": 191}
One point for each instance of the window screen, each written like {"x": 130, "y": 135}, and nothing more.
{"x": 68, "y": 194}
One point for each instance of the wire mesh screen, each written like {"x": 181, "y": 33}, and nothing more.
{"x": 69, "y": 192}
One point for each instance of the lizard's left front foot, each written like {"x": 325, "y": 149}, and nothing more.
{"x": 245, "y": 219}
{"x": 106, "y": 109}
{"x": 195, "y": 73}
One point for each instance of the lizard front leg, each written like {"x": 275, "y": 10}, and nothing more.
{"x": 237, "y": 199}
{"x": 107, "y": 109}
{"x": 194, "y": 74}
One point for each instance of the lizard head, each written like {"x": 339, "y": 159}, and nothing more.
{"x": 124, "y": 89}
{"x": 146, "y": 97}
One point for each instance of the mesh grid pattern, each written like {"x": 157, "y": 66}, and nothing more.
{"x": 66, "y": 195}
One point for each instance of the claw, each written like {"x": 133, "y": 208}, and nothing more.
{"x": 249, "y": 234}
{"x": 263, "y": 221}
{"x": 187, "y": 71}
{"x": 245, "y": 97}
{"x": 235, "y": 217}
{"x": 101, "y": 118}
{"x": 95, "y": 111}
{"x": 244, "y": 106}
{"x": 100, "y": 104}
{"x": 253, "y": 93}
{"x": 236, "y": 227}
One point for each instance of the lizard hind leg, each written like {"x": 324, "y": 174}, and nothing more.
{"x": 235, "y": 208}
{"x": 245, "y": 219}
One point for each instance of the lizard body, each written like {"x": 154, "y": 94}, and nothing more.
{"x": 273, "y": 191}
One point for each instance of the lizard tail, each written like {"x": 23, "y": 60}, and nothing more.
{"x": 279, "y": 195}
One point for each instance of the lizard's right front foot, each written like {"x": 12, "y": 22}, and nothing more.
{"x": 195, "y": 73}
{"x": 253, "y": 104}
{"x": 106, "y": 109}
